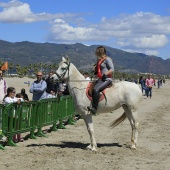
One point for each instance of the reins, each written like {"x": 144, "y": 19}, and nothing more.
{"x": 60, "y": 77}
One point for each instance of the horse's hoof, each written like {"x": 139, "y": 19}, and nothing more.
{"x": 94, "y": 150}
{"x": 133, "y": 147}
{"x": 89, "y": 147}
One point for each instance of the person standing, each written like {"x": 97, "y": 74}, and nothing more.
{"x": 11, "y": 98}
{"x": 142, "y": 83}
{"x": 63, "y": 88}
{"x": 52, "y": 86}
{"x": 38, "y": 88}
{"x": 149, "y": 84}
{"x": 3, "y": 87}
{"x": 104, "y": 69}
{"x": 25, "y": 96}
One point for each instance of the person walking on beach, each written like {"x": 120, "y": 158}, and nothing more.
{"x": 142, "y": 83}
{"x": 38, "y": 88}
{"x": 3, "y": 87}
{"x": 149, "y": 83}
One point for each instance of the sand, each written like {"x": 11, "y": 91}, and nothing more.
{"x": 65, "y": 149}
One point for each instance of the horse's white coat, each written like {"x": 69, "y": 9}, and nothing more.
{"x": 123, "y": 94}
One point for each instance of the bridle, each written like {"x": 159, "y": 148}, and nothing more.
{"x": 60, "y": 77}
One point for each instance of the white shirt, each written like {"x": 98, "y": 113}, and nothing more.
{"x": 51, "y": 96}
{"x": 8, "y": 100}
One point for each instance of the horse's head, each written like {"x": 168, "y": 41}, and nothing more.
{"x": 54, "y": 78}
{"x": 63, "y": 69}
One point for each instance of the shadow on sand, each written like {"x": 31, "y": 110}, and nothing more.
{"x": 76, "y": 145}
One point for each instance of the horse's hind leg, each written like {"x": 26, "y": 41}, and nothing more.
{"x": 131, "y": 114}
{"x": 89, "y": 124}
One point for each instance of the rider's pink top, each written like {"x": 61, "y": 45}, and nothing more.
{"x": 149, "y": 82}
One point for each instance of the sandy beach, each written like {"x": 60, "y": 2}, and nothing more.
{"x": 65, "y": 148}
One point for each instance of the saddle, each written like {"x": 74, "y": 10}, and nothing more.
{"x": 89, "y": 90}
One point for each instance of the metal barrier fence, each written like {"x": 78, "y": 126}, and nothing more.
{"x": 31, "y": 116}
{"x": 1, "y": 134}
{"x": 66, "y": 111}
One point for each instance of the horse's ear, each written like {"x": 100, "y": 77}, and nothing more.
{"x": 63, "y": 59}
{"x": 67, "y": 59}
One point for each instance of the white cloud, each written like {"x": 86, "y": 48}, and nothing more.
{"x": 140, "y": 31}
{"x": 63, "y": 32}
{"x": 18, "y": 12}
{"x": 152, "y": 52}
{"x": 145, "y": 51}
{"x": 153, "y": 41}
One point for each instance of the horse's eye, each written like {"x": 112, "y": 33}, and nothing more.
{"x": 63, "y": 68}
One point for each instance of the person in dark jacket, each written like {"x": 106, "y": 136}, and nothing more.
{"x": 25, "y": 96}
{"x": 52, "y": 86}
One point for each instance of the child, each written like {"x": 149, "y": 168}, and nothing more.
{"x": 10, "y": 98}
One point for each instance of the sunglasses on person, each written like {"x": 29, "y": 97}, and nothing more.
{"x": 39, "y": 75}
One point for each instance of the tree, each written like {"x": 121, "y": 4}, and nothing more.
{"x": 10, "y": 67}
{"x": 45, "y": 66}
{"x": 35, "y": 67}
{"x": 40, "y": 65}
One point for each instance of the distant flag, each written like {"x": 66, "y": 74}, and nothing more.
{"x": 5, "y": 66}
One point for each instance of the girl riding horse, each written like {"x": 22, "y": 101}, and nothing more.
{"x": 104, "y": 69}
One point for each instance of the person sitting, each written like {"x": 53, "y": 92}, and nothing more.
{"x": 104, "y": 69}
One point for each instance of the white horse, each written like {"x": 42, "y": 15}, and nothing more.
{"x": 123, "y": 94}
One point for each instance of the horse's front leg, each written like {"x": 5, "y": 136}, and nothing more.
{"x": 89, "y": 123}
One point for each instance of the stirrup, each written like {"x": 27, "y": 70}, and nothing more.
{"x": 92, "y": 110}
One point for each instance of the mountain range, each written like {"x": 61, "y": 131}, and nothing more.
{"x": 82, "y": 56}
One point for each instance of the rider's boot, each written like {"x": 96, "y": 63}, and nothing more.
{"x": 93, "y": 108}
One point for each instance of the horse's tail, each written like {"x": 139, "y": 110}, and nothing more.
{"x": 119, "y": 120}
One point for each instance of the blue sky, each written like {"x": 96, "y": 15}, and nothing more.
{"x": 131, "y": 25}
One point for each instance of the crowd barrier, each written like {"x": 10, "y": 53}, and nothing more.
{"x": 33, "y": 116}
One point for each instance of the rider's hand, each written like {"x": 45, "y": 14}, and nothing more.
{"x": 104, "y": 77}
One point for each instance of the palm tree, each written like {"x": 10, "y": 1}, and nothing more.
{"x": 17, "y": 67}
{"x": 35, "y": 66}
{"x": 1, "y": 63}
{"x": 50, "y": 67}
{"x": 54, "y": 66}
{"x": 40, "y": 65}
{"x": 10, "y": 67}
{"x": 30, "y": 68}
{"x": 45, "y": 66}
{"x": 25, "y": 70}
